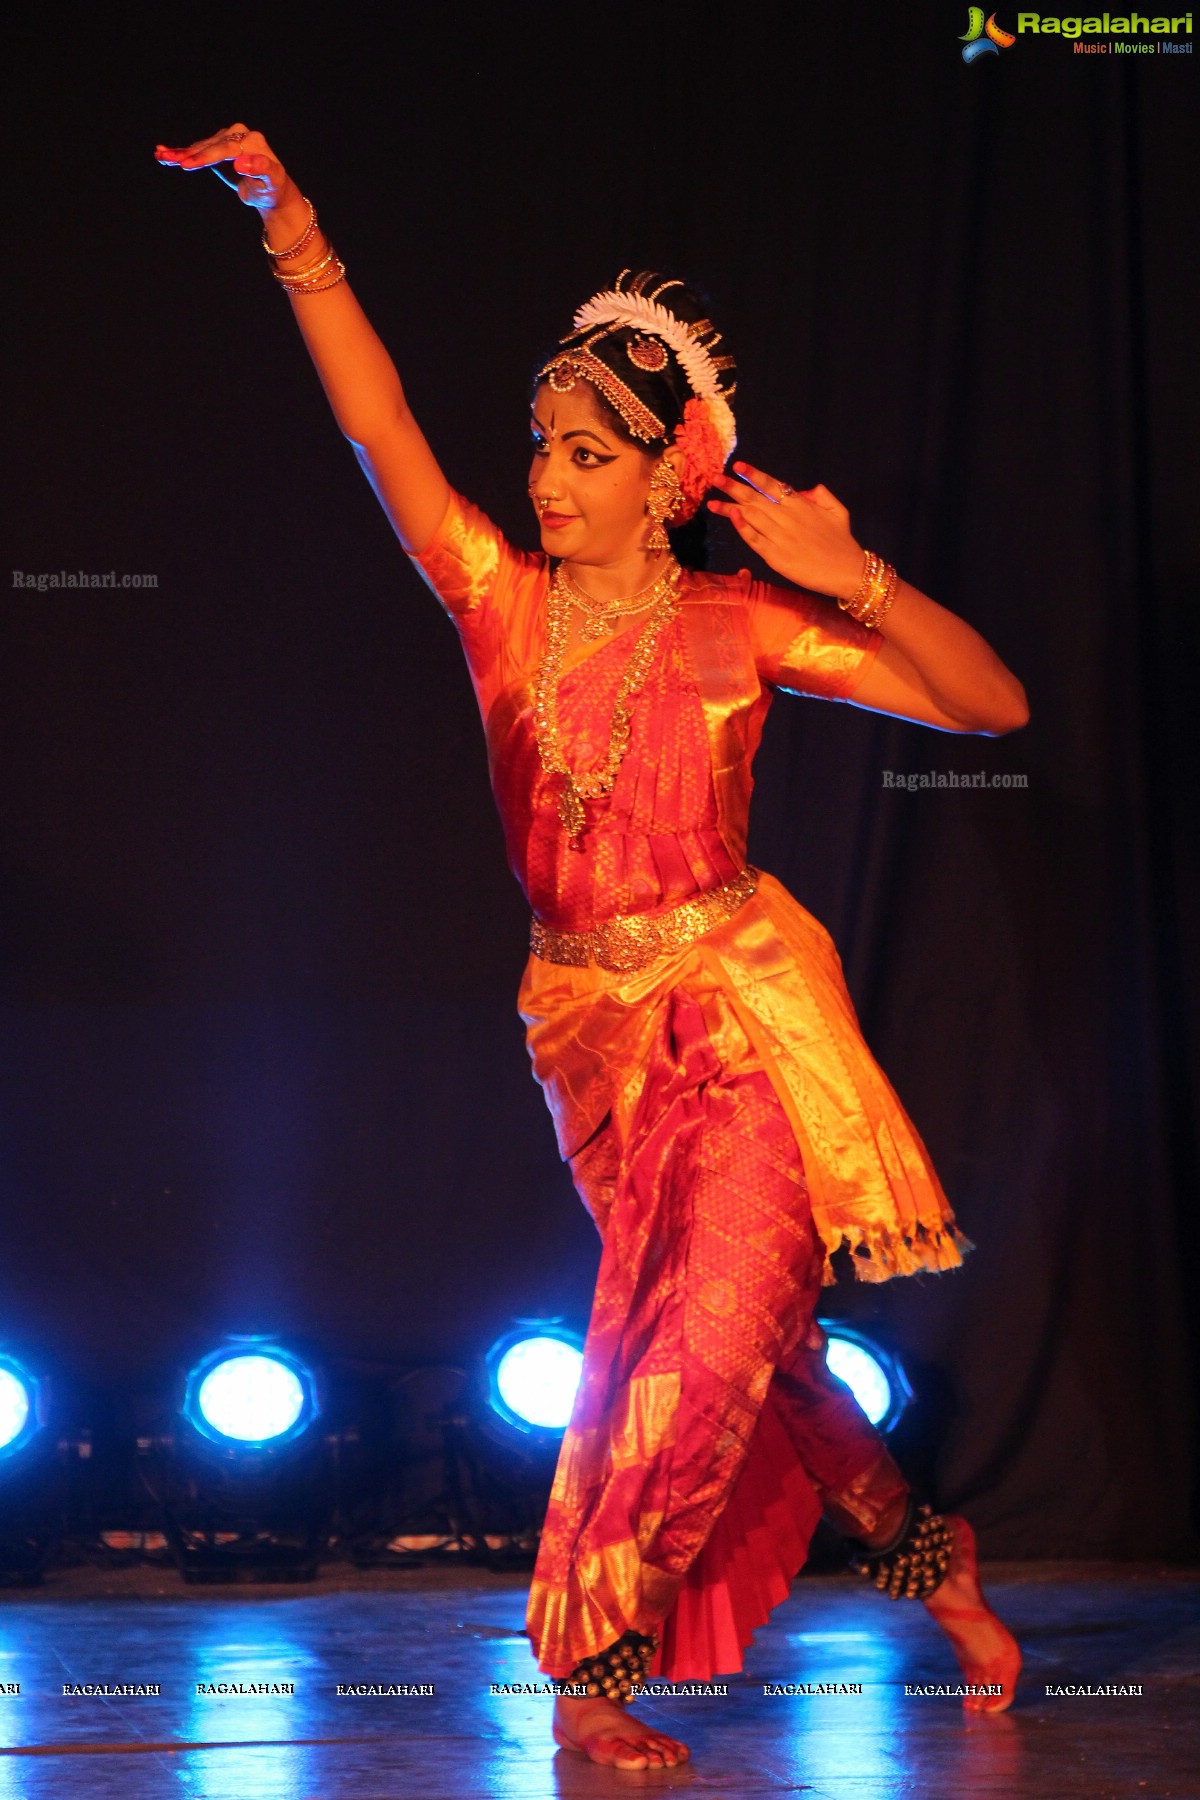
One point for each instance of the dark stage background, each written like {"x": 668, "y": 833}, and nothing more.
{"x": 260, "y": 948}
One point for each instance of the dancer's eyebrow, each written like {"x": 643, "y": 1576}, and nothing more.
{"x": 567, "y": 435}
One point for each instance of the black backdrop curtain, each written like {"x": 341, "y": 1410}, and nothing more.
{"x": 260, "y": 949}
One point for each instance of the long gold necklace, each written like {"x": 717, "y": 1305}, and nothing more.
{"x": 662, "y": 597}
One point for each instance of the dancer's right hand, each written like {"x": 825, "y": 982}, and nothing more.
{"x": 264, "y": 182}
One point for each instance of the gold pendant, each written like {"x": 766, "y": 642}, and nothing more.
{"x": 570, "y": 808}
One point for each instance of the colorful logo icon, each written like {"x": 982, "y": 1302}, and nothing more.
{"x": 983, "y": 38}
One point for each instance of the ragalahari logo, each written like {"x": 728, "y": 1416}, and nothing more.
{"x": 983, "y": 38}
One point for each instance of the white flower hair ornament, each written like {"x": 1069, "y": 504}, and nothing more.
{"x": 611, "y": 309}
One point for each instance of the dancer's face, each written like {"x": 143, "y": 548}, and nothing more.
{"x": 594, "y": 483}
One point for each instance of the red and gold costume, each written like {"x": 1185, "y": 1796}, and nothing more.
{"x": 726, "y": 1125}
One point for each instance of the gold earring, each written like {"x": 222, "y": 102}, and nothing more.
{"x": 662, "y": 502}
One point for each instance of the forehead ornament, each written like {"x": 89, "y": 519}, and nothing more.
{"x": 570, "y": 366}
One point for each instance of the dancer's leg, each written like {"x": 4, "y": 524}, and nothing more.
{"x": 865, "y": 1496}
{"x": 602, "y": 1730}
{"x": 710, "y": 1267}
{"x": 704, "y": 1302}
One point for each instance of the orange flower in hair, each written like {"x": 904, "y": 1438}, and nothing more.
{"x": 703, "y": 456}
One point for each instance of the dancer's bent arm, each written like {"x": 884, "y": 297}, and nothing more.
{"x": 358, "y": 375}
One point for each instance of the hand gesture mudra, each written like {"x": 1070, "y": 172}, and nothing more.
{"x": 803, "y": 534}
{"x": 264, "y": 182}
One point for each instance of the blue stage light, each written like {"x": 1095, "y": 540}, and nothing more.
{"x": 533, "y": 1372}
{"x": 250, "y": 1396}
{"x": 872, "y": 1374}
{"x": 18, "y": 1406}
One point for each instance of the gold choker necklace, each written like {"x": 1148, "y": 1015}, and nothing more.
{"x": 662, "y": 596}
{"x": 605, "y": 615}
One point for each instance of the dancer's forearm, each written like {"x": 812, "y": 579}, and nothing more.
{"x": 355, "y": 369}
{"x": 950, "y": 661}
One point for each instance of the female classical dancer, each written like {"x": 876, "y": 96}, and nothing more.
{"x": 725, "y": 1123}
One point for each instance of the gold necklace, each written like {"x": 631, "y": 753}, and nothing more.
{"x": 605, "y": 615}
{"x": 662, "y": 596}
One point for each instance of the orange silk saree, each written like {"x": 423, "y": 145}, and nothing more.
{"x": 726, "y": 1124}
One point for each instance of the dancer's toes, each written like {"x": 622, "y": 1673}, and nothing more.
{"x": 608, "y": 1734}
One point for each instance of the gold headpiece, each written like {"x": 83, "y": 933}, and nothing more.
{"x": 565, "y": 369}
{"x": 695, "y": 344}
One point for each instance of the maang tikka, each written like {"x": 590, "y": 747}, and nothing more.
{"x": 662, "y": 502}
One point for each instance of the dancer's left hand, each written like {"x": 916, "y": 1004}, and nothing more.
{"x": 804, "y": 534}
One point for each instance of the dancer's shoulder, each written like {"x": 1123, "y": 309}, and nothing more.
{"x": 702, "y": 585}
{"x": 470, "y": 563}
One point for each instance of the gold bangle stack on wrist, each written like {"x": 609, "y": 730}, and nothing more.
{"x": 874, "y": 593}
{"x": 310, "y": 278}
{"x": 301, "y": 241}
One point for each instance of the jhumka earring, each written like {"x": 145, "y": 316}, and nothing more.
{"x": 662, "y": 502}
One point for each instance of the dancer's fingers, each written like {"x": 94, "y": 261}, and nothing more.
{"x": 770, "y": 485}
{"x": 740, "y": 518}
{"x": 222, "y": 146}
{"x": 744, "y": 492}
{"x": 744, "y": 505}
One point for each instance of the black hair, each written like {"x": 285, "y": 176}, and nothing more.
{"x": 665, "y": 391}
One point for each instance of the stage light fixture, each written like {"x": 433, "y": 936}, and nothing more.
{"x": 42, "y": 1461}
{"x": 875, "y": 1377}
{"x": 246, "y": 1483}
{"x": 533, "y": 1373}
{"x": 502, "y": 1440}
{"x": 250, "y": 1398}
{"x": 19, "y": 1412}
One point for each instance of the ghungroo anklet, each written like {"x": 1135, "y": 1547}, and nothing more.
{"x": 618, "y": 1672}
{"x": 915, "y": 1563}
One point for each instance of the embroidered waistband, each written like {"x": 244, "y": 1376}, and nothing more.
{"x": 633, "y": 941}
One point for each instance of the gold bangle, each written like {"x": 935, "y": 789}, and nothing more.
{"x": 876, "y": 587}
{"x": 872, "y": 619}
{"x": 865, "y": 593}
{"x": 294, "y": 249}
{"x": 312, "y": 273}
{"x": 298, "y": 277}
{"x": 296, "y": 289}
{"x": 846, "y": 601}
{"x": 874, "y": 593}
{"x": 300, "y": 274}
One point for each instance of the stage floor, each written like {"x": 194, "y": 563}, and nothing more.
{"x": 459, "y": 1630}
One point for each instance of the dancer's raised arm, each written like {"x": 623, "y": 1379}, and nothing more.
{"x": 356, "y": 371}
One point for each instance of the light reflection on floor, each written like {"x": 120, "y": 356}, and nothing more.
{"x": 237, "y": 1649}
{"x": 462, "y": 1631}
{"x": 844, "y": 1735}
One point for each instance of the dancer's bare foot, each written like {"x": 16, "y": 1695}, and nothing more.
{"x": 608, "y": 1733}
{"x": 986, "y": 1649}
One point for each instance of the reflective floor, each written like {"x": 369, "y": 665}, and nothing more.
{"x": 1097, "y": 1625}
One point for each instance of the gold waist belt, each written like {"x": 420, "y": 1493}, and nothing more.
{"x": 632, "y": 942}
